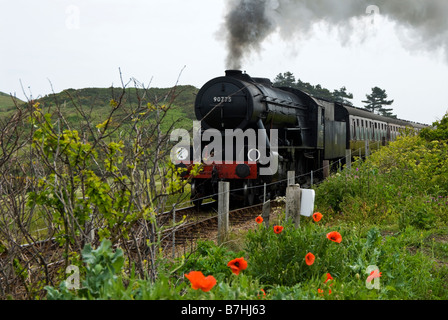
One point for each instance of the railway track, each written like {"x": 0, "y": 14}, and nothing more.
{"x": 206, "y": 223}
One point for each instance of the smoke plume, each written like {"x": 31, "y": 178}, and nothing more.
{"x": 249, "y": 22}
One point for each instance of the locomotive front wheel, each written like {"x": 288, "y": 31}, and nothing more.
{"x": 195, "y": 196}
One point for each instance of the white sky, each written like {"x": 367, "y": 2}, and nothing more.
{"x": 83, "y": 43}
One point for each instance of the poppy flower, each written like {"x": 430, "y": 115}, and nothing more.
{"x": 317, "y": 216}
{"x": 199, "y": 281}
{"x": 236, "y": 265}
{"x": 278, "y": 229}
{"x": 321, "y": 292}
{"x": 334, "y": 236}
{"x": 329, "y": 278}
{"x": 309, "y": 258}
{"x": 259, "y": 219}
{"x": 264, "y": 294}
{"x": 374, "y": 274}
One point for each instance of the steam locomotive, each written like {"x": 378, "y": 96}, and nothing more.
{"x": 293, "y": 131}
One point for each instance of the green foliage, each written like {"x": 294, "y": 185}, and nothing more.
{"x": 278, "y": 269}
{"x": 102, "y": 267}
{"x": 210, "y": 259}
{"x": 78, "y": 156}
{"x": 180, "y": 99}
{"x": 280, "y": 258}
{"x": 105, "y": 279}
{"x": 438, "y": 132}
{"x": 8, "y": 103}
{"x": 404, "y": 184}
{"x": 342, "y": 96}
{"x": 403, "y": 187}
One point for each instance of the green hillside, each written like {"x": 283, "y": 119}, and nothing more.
{"x": 95, "y": 104}
{"x": 7, "y": 102}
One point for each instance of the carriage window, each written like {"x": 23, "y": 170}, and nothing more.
{"x": 353, "y": 129}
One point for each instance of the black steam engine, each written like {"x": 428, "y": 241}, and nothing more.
{"x": 308, "y": 131}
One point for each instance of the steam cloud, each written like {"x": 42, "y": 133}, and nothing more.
{"x": 249, "y": 22}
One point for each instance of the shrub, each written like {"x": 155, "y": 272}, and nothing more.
{"x": 392, "y": 186}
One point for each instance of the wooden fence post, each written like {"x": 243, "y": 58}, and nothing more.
{"x": 223, "y": 210}
{"x": 266, "y": 211}
{"x": 293, "y": 198}
{"x": 291, "y": 177}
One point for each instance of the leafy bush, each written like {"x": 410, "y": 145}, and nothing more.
{"x": 394, "y": 185}
{"x": 438, "y": 131}
{"x": 104, "y": 279}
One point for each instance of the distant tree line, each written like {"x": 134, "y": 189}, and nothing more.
{"x": 375, "y": 102}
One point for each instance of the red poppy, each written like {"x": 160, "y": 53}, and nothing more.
{"x": 321, "y": 292}
{"x": 264, "y": 294}
{"x": 329, "y": 278}
{"x": 238, "y": 264}
{"x": 259, "y": 219}
{"x": 334, "y": 236}
{"x": 374, "y": 274}
{"x": 278, "y": 229}
{"x": 309, "y": 258}
{"x": 199, "y": 281}
{"x": 317, "y": 216}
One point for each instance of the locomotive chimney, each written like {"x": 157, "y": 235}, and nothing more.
{"x": 234, "y": 73}
{"x": 238, "y": 74}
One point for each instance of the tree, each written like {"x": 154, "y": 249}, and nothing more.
{"x": 285, "y": 79}
{"x": 342, "y": 95}
{"x": 377, "y": 100}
